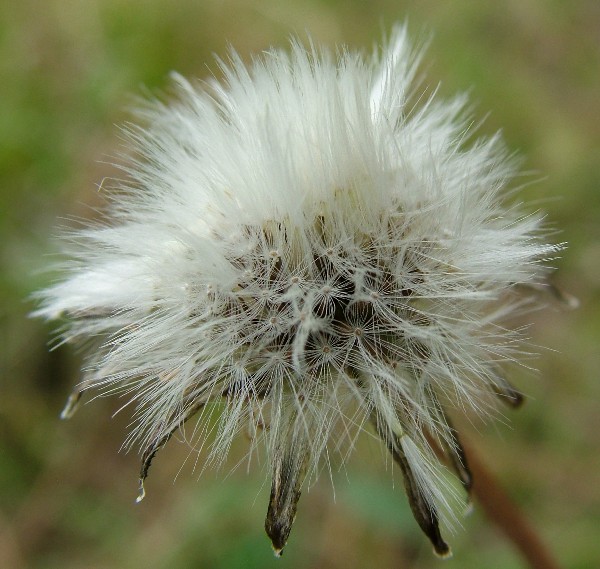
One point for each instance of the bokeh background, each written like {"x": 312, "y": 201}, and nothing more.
{"x": 69, "y": 70}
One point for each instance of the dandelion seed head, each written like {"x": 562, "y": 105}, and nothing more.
{"x": 305, "y": 243}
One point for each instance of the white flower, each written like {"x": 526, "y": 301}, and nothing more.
{"x": 303, "y": 250}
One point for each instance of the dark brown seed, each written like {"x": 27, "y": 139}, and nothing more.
{"x": 453, "y": 449}
{"x": 507, "y": 393}
{"x": 288, "y": 475}
{"x": 157, "y": 442}
{"x": 425, "y": 514}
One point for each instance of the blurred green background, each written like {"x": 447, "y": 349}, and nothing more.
{"x": 68, "y": 72}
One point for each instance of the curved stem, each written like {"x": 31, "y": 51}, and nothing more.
{"x": 503, "y": 512}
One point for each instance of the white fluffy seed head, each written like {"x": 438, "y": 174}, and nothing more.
{"x": 304, "y": 244}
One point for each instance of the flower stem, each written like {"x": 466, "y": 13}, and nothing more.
{"x": 504, "y": 513}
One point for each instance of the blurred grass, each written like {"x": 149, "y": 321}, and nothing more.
{"x": 68, "y": 71}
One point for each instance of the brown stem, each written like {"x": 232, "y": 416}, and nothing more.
{"x": 502, "y": 511}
